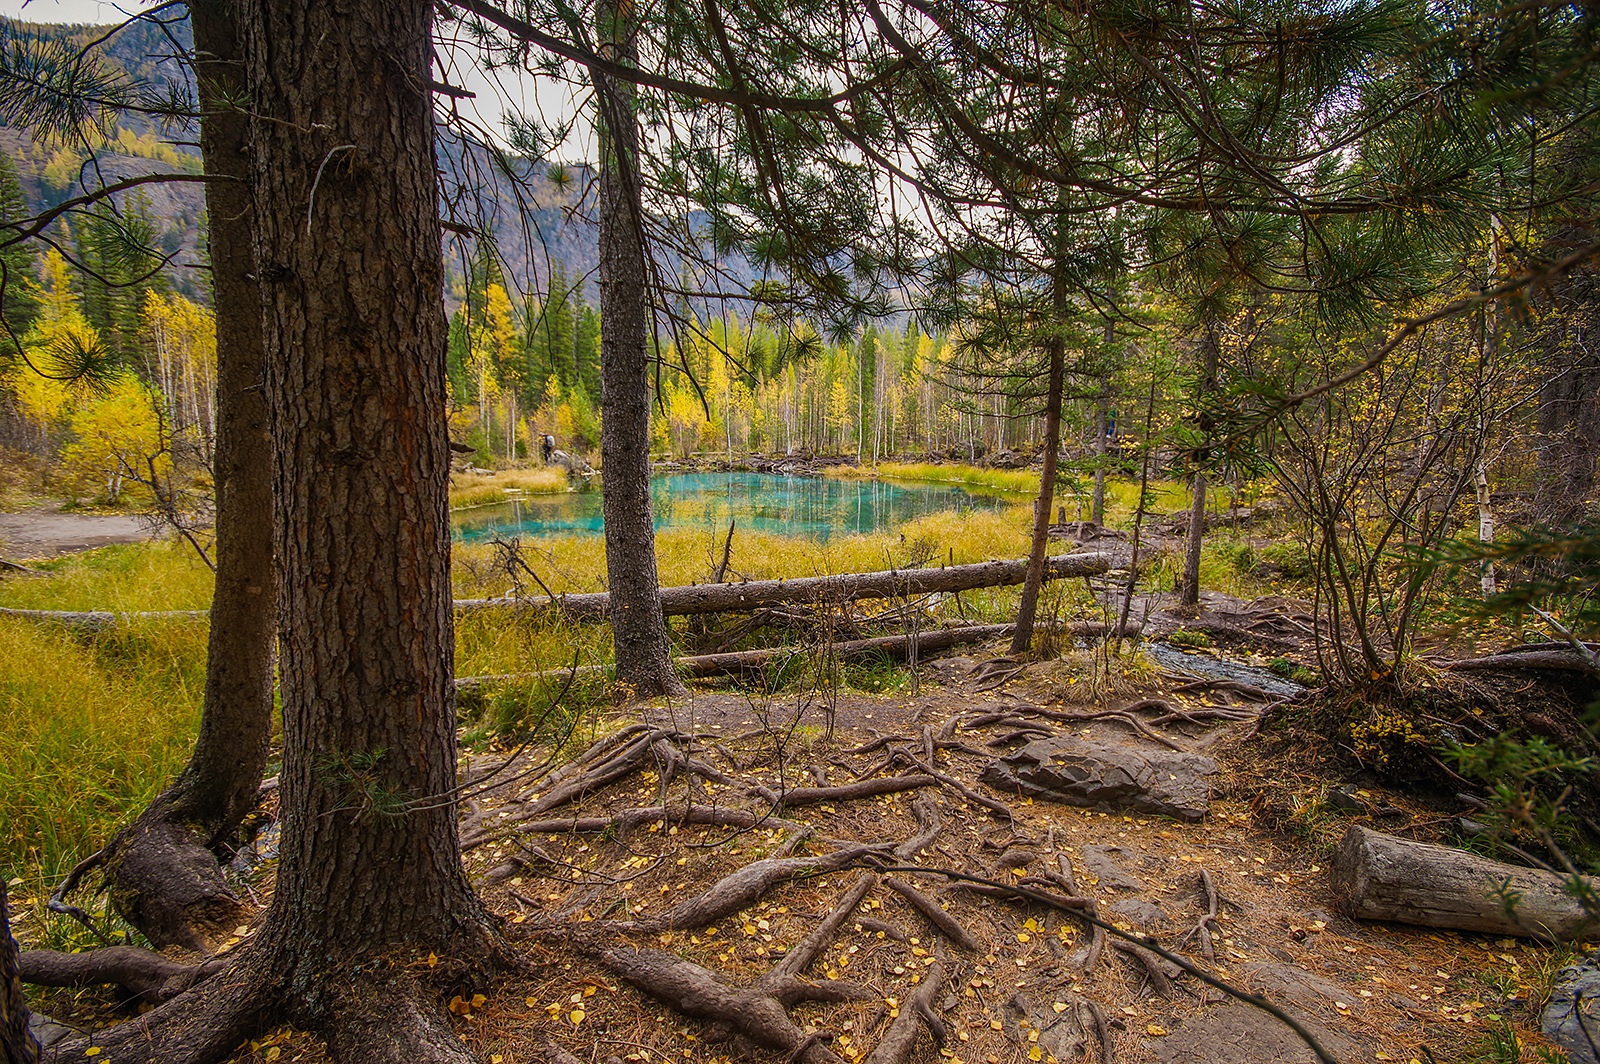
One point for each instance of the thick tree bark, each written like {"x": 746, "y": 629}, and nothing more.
{"x": 17, "y": 1045}
{"x": 1384, "y": 877}
{"x": 163, "y": 876}
{"x": 639, "y": 630}
{"x": 349, "y": 248}
{"x": 845, "y": 587}
{"x": 1027, "y": 608}
{"x": 1189, "y": 584}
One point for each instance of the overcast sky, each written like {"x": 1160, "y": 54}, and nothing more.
{"x": 93, "y": 12}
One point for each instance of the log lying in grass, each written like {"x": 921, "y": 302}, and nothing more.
{"x": 102, "y": 619}
{"x": 893, "y": 647}
{"x": 1384, "y": 877}
{"x": 753, "y": 594}
{"x": 708, "y": 598}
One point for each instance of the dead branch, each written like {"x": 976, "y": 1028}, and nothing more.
{"x": 1561, "y": 660}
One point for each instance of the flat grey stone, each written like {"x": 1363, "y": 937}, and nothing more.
{"x": 1106, "y": 777}
{"x": 1142, "y": 914}
{"x": 1239, "y": 1034}
{"x": 1102, "y": 862}
{"x": 1289, "y": 982}
{"x": 1574, "y": 1008}
{"x": 48, "y": 1032}
{"x": 1062, "y": 1035}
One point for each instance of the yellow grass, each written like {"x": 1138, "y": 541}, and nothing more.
{"x": 973, "y": 478}
{"x": 474, "y": 489}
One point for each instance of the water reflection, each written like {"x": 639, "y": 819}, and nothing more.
{"x": 796, "y": 506}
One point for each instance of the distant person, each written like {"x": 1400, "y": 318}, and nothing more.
{"x": 547, "y": 447}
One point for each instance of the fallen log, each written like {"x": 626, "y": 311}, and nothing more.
{"x": 103, "y": 619}
{"x": 895, "y": 647}
{"x": 1385, "y": 877}
{"x": 704, "y": 598}
{"x": 753, "y": 594}
{"x": 1564, "y": 660}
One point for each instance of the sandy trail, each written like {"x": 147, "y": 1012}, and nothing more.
{"x": 43, "y": 532}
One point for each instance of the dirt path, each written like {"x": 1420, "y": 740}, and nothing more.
{"x": 43, "y": 532}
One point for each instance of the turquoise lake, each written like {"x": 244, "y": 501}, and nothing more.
{"x": 819, "y": 507}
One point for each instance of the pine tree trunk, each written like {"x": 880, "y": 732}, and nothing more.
{"x": 1189, "y": 585}
{"x": 162, "y": 874}
{"x": 1027, "y": 609}
{"x": 639, "y": 630}
{"x": 356, "y": 382}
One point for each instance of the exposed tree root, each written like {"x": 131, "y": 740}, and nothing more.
{"x": 1160, "y": 979}
{"x": 801, "y": 956}
{"x": 145, "y": 976}
{"x": 844, "y": 793}
{"x": 1124, "y": 716}
{"x": 949, "y": 782}
{"x": 629, "y": 820}
{"x": 925, "y": 905}
{"x": 896, "y": 1044}
{"x": 596, "y": 775}
{"x": 201, "y": 1026}
{"x": 928, "y": 819}
{"x": 697, "y": 991}
{"x": 390, "y": 1023}
{"x": 743, "y": 888}
{"x": 164, "y": 880}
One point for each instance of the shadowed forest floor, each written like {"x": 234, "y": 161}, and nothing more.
{"x": 697, "y": 850}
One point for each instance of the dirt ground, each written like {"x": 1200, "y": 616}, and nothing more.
{"x": 1030, "y": 981}
{"x": 44, "y": 531}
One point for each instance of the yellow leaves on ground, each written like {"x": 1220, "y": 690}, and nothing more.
{"x": 464, "y": 1006}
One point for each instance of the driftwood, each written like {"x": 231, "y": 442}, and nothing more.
{"x": 753, "y": 594}
{"x": 1384, "y": 877}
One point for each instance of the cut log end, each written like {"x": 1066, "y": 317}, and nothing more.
{"x": 1384, "y": 877}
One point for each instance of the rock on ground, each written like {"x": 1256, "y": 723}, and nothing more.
{"x": 1572, "y": 1016}
{"x": 1106, "y": 777}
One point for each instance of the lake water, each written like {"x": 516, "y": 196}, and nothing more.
{"x": 818, "y": 507}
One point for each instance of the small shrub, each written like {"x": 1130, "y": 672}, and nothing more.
{"x": 1295, "y": 672}
{"x": 1288, "y": 559}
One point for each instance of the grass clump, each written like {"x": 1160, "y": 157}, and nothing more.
{"x": 92, "y": 737}
{"x": 972, "y": 478}
{"x": 477, "y": 489}
{"x": 1095, "y": 677}
{"x": 1187, "y": 637}
{"x": 132, "y": 577}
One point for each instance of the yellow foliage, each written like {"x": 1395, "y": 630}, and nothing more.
{"x": 116, "y": 434}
